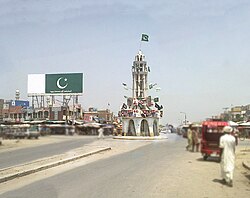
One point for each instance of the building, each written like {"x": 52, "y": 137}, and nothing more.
{"x": 105, "y": 116}
{"x": 19, "y": 111}
{"x": 90, "y": 115}
{"x": 13, "y": 110}
{"x": 1, "y": 109}
{"x": 236, "y": 113}
{"x": 95, "y": 115}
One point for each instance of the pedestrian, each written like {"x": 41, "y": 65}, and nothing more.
{"x": 235, "y": 133}
{"x": 100, "y": 131}
{"x": 227, "y": 145}
{"x": 195, "y": 140}
{"x": 189, "y": 138}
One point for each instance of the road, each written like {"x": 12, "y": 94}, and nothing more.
{"x": 157, "y": 169}
{"x": 20, "y": 156}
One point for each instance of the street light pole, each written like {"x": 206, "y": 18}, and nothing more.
{"x": 185, "y": 117}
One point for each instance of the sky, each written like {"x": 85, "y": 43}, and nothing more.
{"x": 198, "y": 50}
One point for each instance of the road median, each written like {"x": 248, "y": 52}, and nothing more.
{"x": 10, "y": 173}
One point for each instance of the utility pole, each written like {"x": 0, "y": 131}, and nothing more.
{"x": 185, "y": 117}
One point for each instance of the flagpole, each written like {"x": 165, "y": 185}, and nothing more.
{"x": 140, "y": 45}
{"x": 144, "y": 37}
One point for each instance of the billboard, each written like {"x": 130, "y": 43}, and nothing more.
{"x": 36, "y": 84}
{"x": 55, "y": 84}
{"x": 16, "y": 103}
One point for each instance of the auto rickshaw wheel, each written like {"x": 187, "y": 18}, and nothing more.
{"x": 205, "y": 157}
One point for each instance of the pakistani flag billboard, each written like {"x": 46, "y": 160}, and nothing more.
{"x": 60, "y": 84}
{"x": 63, "y": 83}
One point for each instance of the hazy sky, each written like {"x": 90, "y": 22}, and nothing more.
{"x": 199, "y": 50}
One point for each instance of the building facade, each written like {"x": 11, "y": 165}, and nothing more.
{"x": 236, "y": 113}
{"x": 19, "y": 111}
{"x": 101, "y": 116}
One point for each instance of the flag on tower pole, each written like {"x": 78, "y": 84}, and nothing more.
{"x": 144, "y": 37}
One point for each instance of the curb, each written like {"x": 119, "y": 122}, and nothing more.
{"x": 139, "y": 138}
{"x": 50, "y": 165}
{"x": 246, "y": 165}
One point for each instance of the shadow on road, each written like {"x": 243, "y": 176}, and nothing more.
{"x": 247, "y": 175}
{"x": 218, "y": 181}
{"x": 209, "y": 159}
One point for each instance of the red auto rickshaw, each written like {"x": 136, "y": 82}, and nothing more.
{"x": 210, "y": 139}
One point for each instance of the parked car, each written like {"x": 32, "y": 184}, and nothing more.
{"x": 19, "y": 135}
{"x": 32, "y": 132}
{"x": 184, "y": 130}
{"x": 165, "y": 130}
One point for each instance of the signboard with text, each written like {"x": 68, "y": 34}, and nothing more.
{"x": 55, "y": 84}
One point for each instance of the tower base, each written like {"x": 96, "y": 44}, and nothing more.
{"x": 139, "y": 126}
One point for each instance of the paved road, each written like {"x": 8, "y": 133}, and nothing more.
{"x": 160, "y": 169}
{"x": 20, "y": 156}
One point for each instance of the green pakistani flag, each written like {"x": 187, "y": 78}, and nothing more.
{"x": 144, "y": 37}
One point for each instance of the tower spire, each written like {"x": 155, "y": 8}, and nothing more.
{"x": 140, "y": 76}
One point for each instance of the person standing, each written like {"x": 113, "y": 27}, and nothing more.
{"x": 235, "y": 133}
{"x": 100, "y": 131}
{"x": 189, "y": 137}
{"x": 227, "y": 146}
{"x": 195, "y": 140}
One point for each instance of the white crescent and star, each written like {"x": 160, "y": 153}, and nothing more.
{"x": 59, "y": 85}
